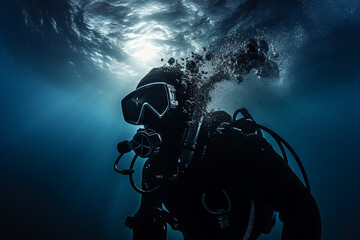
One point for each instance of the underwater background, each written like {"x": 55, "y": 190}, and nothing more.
{"x": 66, "y": 64}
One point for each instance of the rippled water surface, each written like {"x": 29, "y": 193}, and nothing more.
{"x": 65, "y": 66}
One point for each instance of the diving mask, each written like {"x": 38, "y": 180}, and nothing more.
{"x": 159, "y": 97}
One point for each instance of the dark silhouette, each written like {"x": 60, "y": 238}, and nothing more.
{"x": 217, "y": 176}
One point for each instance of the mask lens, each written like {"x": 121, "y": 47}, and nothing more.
{"x": 131, "y": 109}
{"x": 155, "y": 95}
{"x": 158, "y": 98}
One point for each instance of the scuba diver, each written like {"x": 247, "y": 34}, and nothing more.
{"x": 208, "y": 174}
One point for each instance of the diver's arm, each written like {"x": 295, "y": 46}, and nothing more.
{"x": 286, "y": 194}
{"x": 146, "y": 223}
{"x": 270, "y": 179}
{"x": 300, "y": 215}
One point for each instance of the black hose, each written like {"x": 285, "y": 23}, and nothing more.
{"x": 137, "y": 189}
{"x": 124, "y": 171}
{"x": 283, "y": 152}
{"x": 236, "y": 113}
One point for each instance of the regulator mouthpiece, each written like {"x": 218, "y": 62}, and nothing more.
{"x": 145, "y": 143}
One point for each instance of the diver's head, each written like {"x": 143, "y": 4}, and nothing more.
{"x": 158, "y": 103}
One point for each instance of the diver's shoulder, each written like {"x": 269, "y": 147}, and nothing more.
{"x": 240, "y": 138}
{"x": 227, "y": 135}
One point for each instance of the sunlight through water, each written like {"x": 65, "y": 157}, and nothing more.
{"x": 66, "y": 65}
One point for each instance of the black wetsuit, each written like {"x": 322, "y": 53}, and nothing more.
{"x": 246, "y": 169}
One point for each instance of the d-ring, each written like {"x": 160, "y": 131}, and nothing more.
{"x": 220, "y": 211}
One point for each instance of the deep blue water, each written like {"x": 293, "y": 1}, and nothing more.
{"x": 65, "y": 66}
